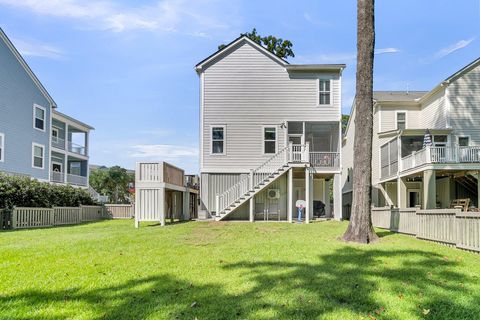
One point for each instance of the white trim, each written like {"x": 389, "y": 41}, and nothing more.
{"x": 34, "y": 144}
{"x": 464, "y": 136}
{"x": 330, "y": 92}
{"x": 35, "y": 106}
{"x": 202, "y": 97}
{"x": 55, "y": 129}
{"x": 2, "y": 147}
{"x": 223, "y": 170}
{"x": 263, "y": 139}
{"x": 224, "y": 153}
{"x": 396, "y": 118}
{"x": 59, "y": 163}
{"x": 379, "y": 108}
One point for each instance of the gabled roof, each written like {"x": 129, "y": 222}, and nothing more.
{"x": 290, "y": 67}
{"x": 27, "y": 69}
{"x": 232, "y": 44}
{"x": 80, "y": 123}
{"x": 398, "y": 95}
{"x": 462, "y": 71}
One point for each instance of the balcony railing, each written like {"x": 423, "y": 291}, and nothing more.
{"x": 441, "y": 155}
{"x": 58, "y": 177}
{"x": 77, "y": 180}
{"x": 76, "y": 148}
{"x": 323, "y": 160}
{"x": 58, "y": 143}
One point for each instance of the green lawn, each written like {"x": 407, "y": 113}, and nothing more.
{"x": 209, "y": 270}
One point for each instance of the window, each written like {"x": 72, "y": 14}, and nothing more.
{"x": 323, "y": 92}
{"x": 38, "y": 117}
{"x": 75, "y": 168}
{"x": 269, "y": 140}
{"x": 440, "y": 141}
{"x": 463, "y": 141}
{"x": 37, "y": 155}
{"x": 218, "y": 140}
{"x": 401, "y": 120}
{"x": 54, "y": 134}
{"x": 2, "y": 147}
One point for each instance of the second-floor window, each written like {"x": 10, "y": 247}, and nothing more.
{"x": 54, "y": 134}
{"x": 401, "y": 120}
{"x": 324, "y": 93}
{"x": 463, "y": 141}
{"x": 38, "y": 155}
{"x": 269, "y": 140}
{"x": 39, "y": 117}
{"x": 2, "y": 147}
{"x": 218, "y": 140}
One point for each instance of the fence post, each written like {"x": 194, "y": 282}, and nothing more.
{"x": 13, "y": 219}
{"x": 80, "y": 213}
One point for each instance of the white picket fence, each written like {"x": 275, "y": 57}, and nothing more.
{"x": 24, "y": 218}
{"x": 120, "y": 211}
{"x": 451, "y": 227}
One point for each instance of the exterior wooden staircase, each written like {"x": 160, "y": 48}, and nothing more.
{"x": 259, "y": 179}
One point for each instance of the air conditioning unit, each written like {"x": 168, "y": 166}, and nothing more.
{"x": 273, "y": 193}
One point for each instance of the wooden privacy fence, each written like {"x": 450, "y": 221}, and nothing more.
{"x": 120, "y": 211}
{"x": 24, "y": 218}
{"x": 447, "y": 226}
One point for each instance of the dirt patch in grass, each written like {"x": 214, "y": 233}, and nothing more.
{"x": 207, "y": 234}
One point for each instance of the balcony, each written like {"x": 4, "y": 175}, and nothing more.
{"x": 76, "y": 148}
{"x": 58, "y": 143}
{"x": 321, "y": 160}
{"x": 77, "y": 180}
{"x": 58, "y": 177}
{"x": 439, "y": 155}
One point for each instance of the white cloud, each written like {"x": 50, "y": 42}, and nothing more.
{"x": 35, "y": 49}
{"x": 163, "y": 151}
{"x": 454, "y": 47}
{"x": 386, "y": 50}
{"x": 166, "y": 16}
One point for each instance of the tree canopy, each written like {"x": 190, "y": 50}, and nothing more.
{"x": 279, "y": 47}
{"x": 114, "y": 182}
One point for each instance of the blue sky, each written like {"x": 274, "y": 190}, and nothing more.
{"x": 126, "y": 67}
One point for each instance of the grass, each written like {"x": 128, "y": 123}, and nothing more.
{"x": 209, "y": 270}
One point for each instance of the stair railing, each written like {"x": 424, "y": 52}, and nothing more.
{"x": 249, "y": 182}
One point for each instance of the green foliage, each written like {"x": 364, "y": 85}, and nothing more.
{"x": 345, "y": 118}
{"x": 279, "y": 47}
{"x": 25, "y": 192}
{"x": 113, "y": 182}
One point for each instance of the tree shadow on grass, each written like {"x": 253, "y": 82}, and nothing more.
{"x": 349, "y": 281}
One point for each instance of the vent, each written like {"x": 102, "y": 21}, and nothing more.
{"x": 273, "y": 194}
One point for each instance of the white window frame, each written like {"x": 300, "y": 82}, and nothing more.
{"x": 35, "y": 106}
{"x": 263, "y": 139}
{"x": 224, "y": 127}
{"x": 33, "y": 155}
{"x": 464, "y": 136}
{"x": 330, "y": 92}
{"x": 2, "y": 147}
{"x": 55, "y": 139}
{"x": 396, "y": 119}
{"x": 57, "y": 163}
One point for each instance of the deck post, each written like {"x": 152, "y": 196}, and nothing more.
{"x": 290, "y": 195}
{"x": 251, "y": 209}
{"x": 401, "y": 193}
{"x": 290, "y": 151}
{"x": 306, "y": 154}
{"x": 217, "y": 205}
{"x": 337, "y": 196}
{"x": 250, "y": 186}
{"x": 308, "y": 198}
{"x": 326, "y": 192}
{"x": 429, "y": 190}
{"x": 161, "y": 207}
{"x": 186, "y": 204}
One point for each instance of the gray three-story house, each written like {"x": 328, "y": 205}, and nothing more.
{"x": 35, "y": 139}
{"x": 270, "y": 134}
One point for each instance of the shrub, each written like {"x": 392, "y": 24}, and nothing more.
{"x": 26, "y": 192}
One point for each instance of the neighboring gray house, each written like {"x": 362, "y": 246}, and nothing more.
{"x": 35, "y": 139}
{"x": 270, "y": 134}
{"x": 405, "y": 173}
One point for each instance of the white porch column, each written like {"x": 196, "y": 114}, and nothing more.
{"x": 337, "y": 196}
{"x": 326, "y": 197}
{"x": 161, "y": 206}
{"x": 429, "y": 189}
{"x": 308, "y": 197}
{"x": 186, "y": 204}
{"x": 251, "y": 208}
{"x": 401, "y": 193}
{"x": 290, "y": 196}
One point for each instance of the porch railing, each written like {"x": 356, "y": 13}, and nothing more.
{"x": 456, "y": 154}
{"x": 77, "y": 180}
{"x": 76, "y": 148}
{"x": 58, "y": 143}
{"x": 56, "y": 176}
{"x": 325, "y": 159}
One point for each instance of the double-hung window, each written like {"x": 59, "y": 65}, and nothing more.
{"x": 401, "y": 120}
{"x": 463, "y": 141}
{"x": 38, "y": 155}
{"x": 269, "y": 140}
{"x": 39, "y": 117}
{"x": 324, "y": 93}
{"x": 218, "y": 140}
{"x": 2, "y": 147}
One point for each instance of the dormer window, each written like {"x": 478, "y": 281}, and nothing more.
{"x": 324, "y": 93}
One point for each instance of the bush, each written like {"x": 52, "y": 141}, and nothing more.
{"x": 26, "y": 192}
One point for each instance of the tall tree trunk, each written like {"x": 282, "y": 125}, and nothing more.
{"x": 360, "y": 228}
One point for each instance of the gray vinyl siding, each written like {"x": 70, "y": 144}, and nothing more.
{"x": 433, "y": 111}
{"x": 246, "y": 90}
{"x": 18, "y": 94}
{"x": 389, "y": 118}
{"x": 464, "y": 97}
{"x": 213, "y": 184}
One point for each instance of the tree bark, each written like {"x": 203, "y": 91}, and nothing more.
{"x": 360, "y": 228}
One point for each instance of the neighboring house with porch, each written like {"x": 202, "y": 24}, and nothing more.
{"x": 35, "y": 139}
{"x": 270, "y": 134}
{"x": 405, "y": 172}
